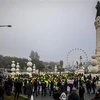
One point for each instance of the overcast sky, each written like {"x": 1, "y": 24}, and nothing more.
{"x": 50, "y": 27}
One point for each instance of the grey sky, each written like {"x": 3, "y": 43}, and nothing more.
{"x": 50, "y": 27}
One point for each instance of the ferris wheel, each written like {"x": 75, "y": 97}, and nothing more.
{"x": 82, "y": 52}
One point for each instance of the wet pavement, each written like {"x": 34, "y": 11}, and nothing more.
{"x": 86, "y": 96}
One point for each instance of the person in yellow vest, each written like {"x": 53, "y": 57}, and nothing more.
{"x": 55, "y": 84}
{"x": 82, "y": 78}
{"x": 46, "y": 81}
{"x": 23, "y": 85}
{"x": 14, "y": 78}
{"x": 27, "y": 81}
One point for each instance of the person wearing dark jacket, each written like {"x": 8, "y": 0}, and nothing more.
{"x": 35, "y": 87}
{"x": 80, "y": 82}
{"x": 88, "y": 86}
{"x": 1, "y": 92}
{"x": 94, "y": 85}
{"x": 29, "y": 90}
{"x": 59, "y": 84}
{"x": 73, "y": 95}
{"x": 51, "y": 84}
{"x": 97, "y": 79}
{"x": 7, "y": 87}
{"x": 65, "y": 86}
{"x": 25, "y": 83}
{"x": 56, "y": 94}
{"x": 18, "y": 86}
{"x": 43, "y": 84}
{"x": 76, "y": 83}
{"x": 81, "y": 92}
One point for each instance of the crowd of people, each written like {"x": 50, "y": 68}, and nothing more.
{"x": 60, "y": 87}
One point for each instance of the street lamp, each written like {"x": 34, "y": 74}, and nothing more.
{"x": 5, "y": 25}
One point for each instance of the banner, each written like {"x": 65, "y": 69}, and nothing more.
{"x": 70, "y": 81}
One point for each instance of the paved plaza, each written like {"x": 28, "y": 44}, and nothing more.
{"x": 87, "y": 97}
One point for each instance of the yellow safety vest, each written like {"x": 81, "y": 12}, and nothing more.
{"x": 27, "y": 82}
{"x": 82, "y": 78}
{"x": 54, "y": 86}
{"x": 23, "y": 84}
{"x": 46, "y": 83}
{"x": 14, "y": 78}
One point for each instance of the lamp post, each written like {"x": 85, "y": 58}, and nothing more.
{"x": 5, "y": 25}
